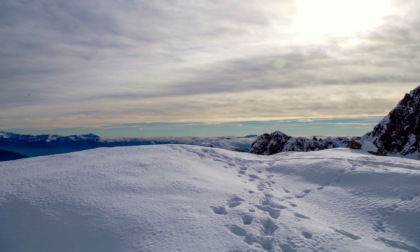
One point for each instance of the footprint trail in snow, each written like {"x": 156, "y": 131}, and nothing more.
{"x": 160, "y": 198}
{"x": 269, "y": 209}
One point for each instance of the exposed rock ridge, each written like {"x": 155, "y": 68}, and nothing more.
{"x": 268, "y": 144}
{"x": 397, "y": 133}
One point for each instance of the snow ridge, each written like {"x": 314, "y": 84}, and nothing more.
{"x": 191, "y": 198}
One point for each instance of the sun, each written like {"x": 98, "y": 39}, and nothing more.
{"x": 323, "y": 19}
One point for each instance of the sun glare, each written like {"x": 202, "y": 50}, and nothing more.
{"x": 323, "y": 19}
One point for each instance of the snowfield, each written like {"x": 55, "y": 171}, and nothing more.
{"x": 191, "y": 198}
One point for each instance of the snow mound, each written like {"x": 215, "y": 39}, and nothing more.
{"x": 191, "y": 198}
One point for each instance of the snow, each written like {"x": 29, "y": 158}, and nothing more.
{"x": 368, "y": 146}
{"x": 233, "y": 143}
{"x": 191, "y": 198}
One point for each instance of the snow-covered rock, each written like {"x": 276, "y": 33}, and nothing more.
{"x": 191, "y": 198}
{"x": 269, "y": 143}
{"x": 276, "y": 142}
{"x": 397, "y": 134}
{"x": 399, "y": 131}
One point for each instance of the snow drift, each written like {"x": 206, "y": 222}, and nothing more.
{"x": 190, "y": 198}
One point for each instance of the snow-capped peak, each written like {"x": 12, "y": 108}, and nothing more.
{"x": 399, "y": 131}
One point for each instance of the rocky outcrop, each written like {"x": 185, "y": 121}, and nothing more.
{"x": 399, "y": 131}
{"x": 355, "y": 145}
{"x": 268, "y": 144}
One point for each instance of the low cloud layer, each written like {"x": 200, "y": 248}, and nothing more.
{"x": 87, "y": 64}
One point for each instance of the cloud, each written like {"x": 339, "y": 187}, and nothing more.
{"x": 100, "y": 62}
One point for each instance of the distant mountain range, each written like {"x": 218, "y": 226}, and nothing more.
{"x": 397, "y": 134}
{"x": 41, "y": 145}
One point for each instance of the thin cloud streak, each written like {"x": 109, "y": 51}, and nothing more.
{"x": 96, "y": 63}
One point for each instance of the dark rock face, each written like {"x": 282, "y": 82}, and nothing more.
{"x": 268, "y": 144}
{"x": 399, "y": 131}
{"x": 276, "y": 142}
{"x": 379, "y": 152}
{"x": 353, "y": 144}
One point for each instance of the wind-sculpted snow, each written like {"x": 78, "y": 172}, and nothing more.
{"x": 190, "y": 198}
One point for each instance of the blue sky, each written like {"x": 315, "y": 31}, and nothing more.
{"x": 115, "y": 67}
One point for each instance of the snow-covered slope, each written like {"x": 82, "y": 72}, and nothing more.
{"x": 190, "y": 198}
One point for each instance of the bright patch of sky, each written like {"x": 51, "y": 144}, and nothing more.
{"x": 90, "y": 64}
{"x": 323, "y": 19}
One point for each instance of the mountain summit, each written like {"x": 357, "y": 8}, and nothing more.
{"x": 397, "y": 133}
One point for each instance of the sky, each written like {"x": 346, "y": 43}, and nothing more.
{"x": 165, "y": 67}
